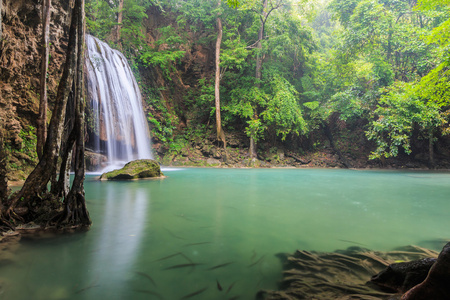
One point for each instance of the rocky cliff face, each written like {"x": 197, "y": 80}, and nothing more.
{"x": 20, "y": 71}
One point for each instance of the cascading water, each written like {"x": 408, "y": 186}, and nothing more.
{"x": 116, "y": 117}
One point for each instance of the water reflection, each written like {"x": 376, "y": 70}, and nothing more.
{"x": 126, "y": 216}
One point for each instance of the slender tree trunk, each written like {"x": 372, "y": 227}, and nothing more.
{"x": 42, "y": 119}
{"x": 259, "y": 44}
{"x": 258, "y": 72}
{"x": 430, "y": 149}
{"x": 1, "y": 13}
{"x": 252, "y": 150}
{"x": 220, "y": 133}
{"x": 4, "y": 190}
{"x": 119, "y": 20}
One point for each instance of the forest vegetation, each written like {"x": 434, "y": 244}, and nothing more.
{"x": 339, "y": 83}
{"x": 366, "y": 79}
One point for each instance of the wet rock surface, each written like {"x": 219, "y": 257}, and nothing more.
{"x": 401, "y": 277}
{"x": 436, "y": 285}
{"x": 343, "y": 274}
{"x": 137, "y": 169}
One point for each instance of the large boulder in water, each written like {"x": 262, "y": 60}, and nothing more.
{"x": 436, "y": 286}
{"x": 137, "y": 169}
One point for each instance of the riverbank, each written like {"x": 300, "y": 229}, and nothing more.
{"x": 237, "y": 158}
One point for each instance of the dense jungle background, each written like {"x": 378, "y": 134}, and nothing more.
{"x": 341, "y": 83}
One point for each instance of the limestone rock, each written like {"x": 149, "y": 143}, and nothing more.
{"x": 137, "y": 169}
{"x": 94, "y": 161}
{"x": 213, "y": 162}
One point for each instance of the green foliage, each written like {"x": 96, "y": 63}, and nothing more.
{"x": 381, "y": 62}
{"x": 163, "y": 130}
{"x": 131, "y": 32}
{"x": 398, "y": 113}
{"x": 100, "y": 18}
{"x": 233, "y": 3}
{"x": 435, "y": 86}
{"x": 283, "y": 112}
{"x": 163, "y": 59}
{"x": 29, "y": 140}
{"x": 27, "y": 149}
{"x": 166, "y": 52}
{"x": 255, "y": 129}
{"x": 162, "y": 126}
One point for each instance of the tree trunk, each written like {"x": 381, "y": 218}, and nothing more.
{"x": 119, "y": 21}
{"x": 75, "y": 210}
{"x": 220, "y": 133}
{"x": 1, "y": 9}
{"x": 258, "y": 73}
{"x": 4, "y": 190}
{"x": 252, "y": 151}
{"x": 430, "y": 149}
{"x": 259, "y": 44}
{"x": 42, "y": 119}
{"x": 37, "y": 181}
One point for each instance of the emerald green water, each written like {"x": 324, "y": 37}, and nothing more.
{"x": 217, "y": 216}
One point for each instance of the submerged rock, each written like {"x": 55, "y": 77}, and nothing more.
{"x": 436, "y": 285}
{"x": 342, "y": 274}
{"x": 401, "y": 277}
{"x": 137, "y": 169}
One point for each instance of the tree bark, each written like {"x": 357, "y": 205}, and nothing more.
{"x": 430, "y": 149}
{"x": 36, "y": 182}
{"x": 220, "y": 133}
{"x": 1, "y": 9}
{"x": 252, "y": 150}
{"x": 259, "y": 44}
{"x": 119, "y": 21}
{"x": 4, "y": 190}
{"x": 75, "y": 210}
{"x": 258, "y": 71}
{"x": 42, "y": 119}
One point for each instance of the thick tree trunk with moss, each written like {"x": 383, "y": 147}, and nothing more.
{"x": 75, "y": 210}
{"x": 220, "y": 133}
{"x": 42, "y": 119}
{"x": 34, "y": 191}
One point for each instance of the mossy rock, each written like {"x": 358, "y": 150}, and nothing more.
{"x": 137, "y": 169}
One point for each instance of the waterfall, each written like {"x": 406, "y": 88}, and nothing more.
{"x": 117, "y": 125}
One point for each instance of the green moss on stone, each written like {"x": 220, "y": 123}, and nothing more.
{"x": 137, "y": 169}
